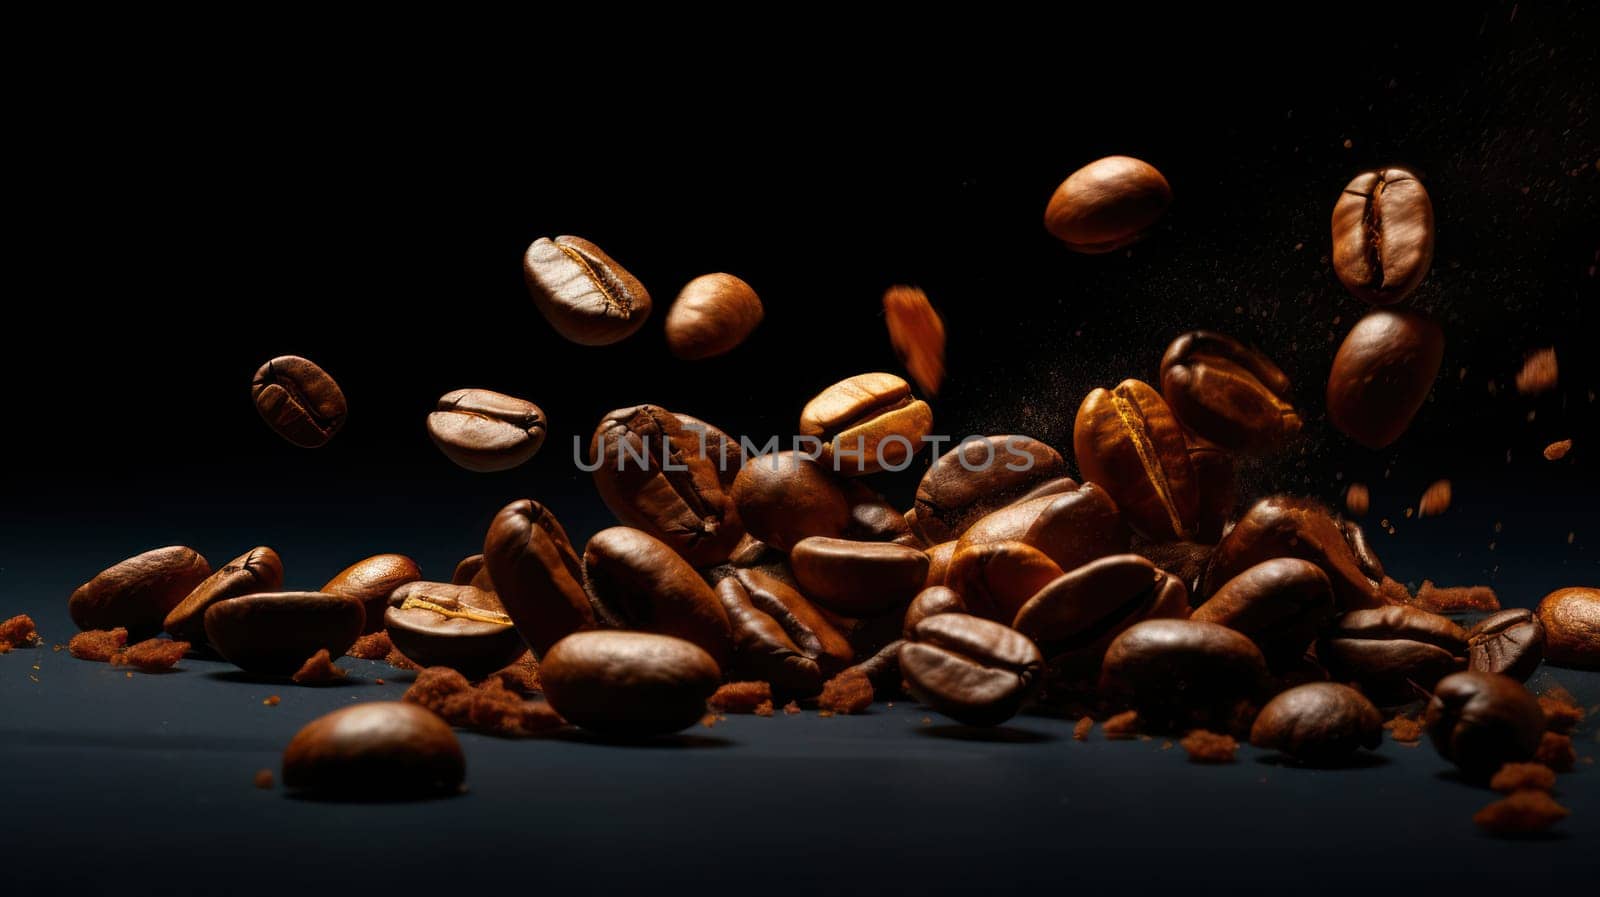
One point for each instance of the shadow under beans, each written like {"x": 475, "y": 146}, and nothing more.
{"x": 246, "y": 678}
{"x": 1456, "y": 777}
{"x": 679, "y": 741}
{"x": 317, "y": 797}
{"x": 1358, "y": 760}
{"x": 994, "y": 735}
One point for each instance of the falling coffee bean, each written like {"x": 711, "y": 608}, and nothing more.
{"x": 1382, "y": 374}
{"x": 1129, "y": 443}
{"x": 973, "y": 670}
{"x": 536, "y": 574}
{"x": 978, "y": 477}
{"x": 644, "y": 585}
{"x": 274, "y": 633}
{"x": 1357, "y": 500}
{"x": 1482, "y": 721}
{"x": 437, "y": 624}
{"x": 257, "y": 570}
{"x": 486, "y": 431}
{"x": 1319, "y": 724}
{"x": 785, "y": 497}
{"x": 1229, "y": 394}
{"x": 1383, "y": 235}
{"x": 1571, "y": 619}
{"x": 299, "y": 401}
{"x": 138, "y": 593}
{"x": 712, "y": 315}
{"x": 780, "y": 637}
{"x": 1393, "y": 651}
{"x": 1510, "y": 642}
{"x": 1076, "y": 616}
{"x": 1107, "y": 204}
{"x": 628, "y": 684}
{"x": 867, "y": 423}
{"x": 382, "y": 750}
{"x": 858, "y": 577}
{"x": 917, "y": 334}
{"x": 371, "y": 581}
{"x": 588, "y": 298}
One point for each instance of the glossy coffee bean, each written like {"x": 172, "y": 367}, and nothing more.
{"x": 536, "y": 574}
{"x": 712, "y": 315}
{"x": 780, "y": 637}
{"x": 1071, "y": 527}
{"x": 1287, "y": 526}
{"x": 723, "y": 450}
{"x": 1382, "y": 374}
{"x": 873, "y": 519}
{"x": 299, "y": 401}
{"x": 371, "y": 581}
{"x": 973, "y": 670}
{"x": 1319, "y": 723}
{"x": 1228, "y": 393}
{"x": 628, "y": 684}
{"x": 784, "y": 497}
{"x": 995, "y": 579}
{"x": 1383, "y": 235}
{"x": 858, "y": 577}
{"x": 882, "y": 669}
{"x": 257, "y": 570}
{"x": 274, "y": 633}
{"x": 930, "y": 601}
{"x": 437, "y": 624}
{"x": 486, "y": 431}
{"x": 1571, "y": 619}
{"x": 659, "y": 476}
{"x": 979, "y": 477}
{"x": 1482, "y": 721}
{"x": 645, "y": 585}
{"x": 939, "y": 557}
{"x": 1510, "y": 642}
{"x": 1280, "y": 604}
{"x": 1177, "y": 672}
{"x": 381, "y": 750}
{"x": 866, "y": 424}
{"x": 466, "y": 570}
{"x": 1078, "y": 614}
{"x": 1393, "y": 651}
{"x": 1214, "y": 469}
{"x": 585, "y": 295}
{"x": 1107, "y": 204}
{"x": 1185, "y": 560}
{"x": 138, "y": 593}
{"x": 1129, "y": 443}
{"x": 1361, "y": 549}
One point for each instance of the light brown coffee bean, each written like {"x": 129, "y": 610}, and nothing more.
{"x": 585, "y": 295}
{"x": 486, "y": 431}
{"x": 1129, "y": 443}
{"x": 785, "y": 497}
{"x": 867, "y": 423}
{"x": 1072, "y": 527}
{"x": 257, "y": 570}
{"x": 1571, "y": 619}
{"x": 712, "y": 315}
{"x": 1107, "y": 204}
{"x": 994, "y": 579}
{"x": 138, "y": 593}
{"x": 1383, "y": 235}
{"x": 371, "y": 581}
{"x": 299, "y": 401}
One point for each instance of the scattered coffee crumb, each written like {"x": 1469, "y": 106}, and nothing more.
{"x": 848, "y": 692}
{"x": 152, "y": 655}
{"x": 1555, "y": 451}
{"x": 1357, "y": 500}
{"x": 1210, "y": 747}
{"x": 1556, "y": 752}
{"x": 764, "y": 708}
{"x": 741, "y": 697}
{"x": 521, "y": 676}
{"x": 1405, "y": 730}
{"x": 1085, "y": 725}
{"x": 318, "y": 670}
{"x": 19, "y": 632}
{"x": 1561, "y": 711}
{"x": 825, "y": 714}
{"x": 1393, "y": 592}
{"x": 1456, "y": 599}
{"x": 1523, "y": 813}
{"x": 128, "y": 675}
{"x": 791, "y": 708}
{"x": 263, "y": 779}
{"x": 1514, "y": 777}
{"x": 272, "y": 700}
{"x": 1166, "y": 745}
{"x": 491, "y": 708}
{"x": 1539, "y": 373}
{"x": 710, "y": 720}
{"x": 1436, "y": 500}
{"x": 378, "y": 682}
{"x": 5, "y": 647}
{"x": 434, "y": 686}
{"x": 1123, "y": 725}
{"x": 98, "y": 644}
{"x": 400, "y": 661}
{"x": 375, "y": 646}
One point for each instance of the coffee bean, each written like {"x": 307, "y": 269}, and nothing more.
{"x": 858, "y": 577}
{"x": 1072, "y": 528}
{"x": 1482, "y": 721}
{"x": 1180, "y": 673}
{"x": 1510, "y": 642}
{"x": 1287, "y": 526}
{"x": 1280, "y": 604}
{"x": 257, "y": 570}
{"x": 1077, "y": 615}
{"x": 780, "y": 637}
{"x": 883, "y": 671}
{"x": 588, "y": 298}
{"x": 1382, "y": 235}
{"x": 785, "y": 497}
{"x": 995, "y": 579}
{"x": 1128, "y": 442}
{"x": 645, "y": 585}
{"x": 466, "y": 570}
{"x": 486, "y": 431}
{"x": 628, "y": 684}
{"x": 371, "y": 581}
{"x": 1366, "y": 559}
{"x": 1382, "y": 374}
{"x": 138, "y": 593}
{"x": 1185, "y": 560}
{"x": 1228, "y": 393}
{"x": 382, "y": 750}
{"x": 1213, "y": 468}
{"x": 752, "y": 552}
{"x": 939, "y": 557}
{"x": 1319, "y": 723}
{"x": 723, "y": 450}
{"x": 1107, "y": 204}
{"x": 536, "y": 574}
{"x": 973, "y": 670}
{"x": 712, "y": 315}
{"x": 274, "y": 633}
{"x": 866, "y": 424}
{"x": 437, "y": 624}
{"x": 1357, "y": 500}
{"x": 1571, "y": 619}
{"x": 979, "y": 477}
{"x": 930, "y": 601}
{"x": 299, "y": 401}
{"x": 1393, "y": 651}
{"x": 873, "y": 519}
{"x": 917, "y": 334}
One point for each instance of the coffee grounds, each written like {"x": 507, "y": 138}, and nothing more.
{"x": 1561, "y": 711}
{"x": 1556, "y": 752}
{"x": 1523, "y": 813}
{"x": 1457, "y": 599}
{"x": 263, "y": 779}
{"x": 272, "y": 700}
{"x": 741, "y": 697}
{"x": 318, "y": 670}
{"x": 375, "y": 646}
{"x": 521, "y": 676}
{"x": 1123, "y": 725}
{"x": 848, "y": 692}
{"x": 491, "y": 708}
{"x": 764, "y": 708}
{"x": 1393, "y": 592}
{"x": 1514, "y": 777}
{"x": 1210, "y": 747}
{"x": 5, "y": 647}
{"x": 1405, "y": 730}
{"x": 1080, "y": 731}
{"x": 155, "y": 655}
{"x": 791, "y": 708}
{"x": 19, "y": 632}
{"x": 1555, "y": 451}
{"x": 400, "y": 661}
{"x": 98, "y": 644}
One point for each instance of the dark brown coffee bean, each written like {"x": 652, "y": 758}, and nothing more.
{"x": 274, "y": 633}
{"x": 382, "y": 750}
{"x": 1076, "y": 615}
{"x": 883, "y": 671}
{"x": 1571, "y": 619}
{"x": 1382, "y": 374}
{"x": 867, "y": 423}
{"x": 1319, "y": 723}
{"x": 466, "y": 570}
{"x": 1214, "y": 469}
{"x": 1129, "y": 443}
{"x": 1286, "y": 526}
{"x": 645, "y": 585}
{"x": 939, "y": 557}
{"x": 437, "y": 624}
{"x": 1228, "y": 393}
{"x": 873, "y": 519}
{"x": 1179, "y": 673}
{"x": 1382, "y": 235}
{"x": 858, "y": 577}
{"x": 785, "y": 497}
{"x": 371, "y": 581}
{"x": 973, "y": 670}
{"x": 712, "y": 315}
{"x": 1107, "y": 204}
{"x": 536, "y": 574}
{"x": 299, "y": 401}
{"x": 486, "y": 431}
{"x": 257, "y": 570}
{"x": 664, "y": 478}
{"x": 1280, "y": 604}
{"x": 1396, "y": 653}
{"x": 1366, "y": 559}
{"x": 628, "y": 684}
{"x": 1185, "y": 560}
{"x": 1072, "y": 528}
{"x": 930, "y": 601}
{"x": 586, "y": 297}
{"x": 779, "y": 637}
{"x": 138, "y": 593}
{"x": 1482, "y": 721}
{"x": 1510, "y": 642}
{"x": 979, "y": 477}
{"x": 995, "y": 579}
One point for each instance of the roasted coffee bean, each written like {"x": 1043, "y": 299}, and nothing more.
{"x": 467, "y": 570}
{"x": 1128, "y": 442}
{"x": 1180, "y": 673}
{"x": 931, "y": 600}
{"x": 274, "y": 633}
{"x": 1072, "y": 528}
{"x": 883, "y": 671}
{"x": 1286, "y": 526}
{"x": 867, "y": 423}
{"x": 1482, "y": 721}
{"x": 917, "y": 334}
{"x": 1213, "y": 468}
{"x": 712, "y": 315}
{"x": 486, "y": 431}
{"x": 973, "y": 670}
{"x": 299, "y": 401}
{"x": 1228, "y": 393}
{"x": 1076, "y": 615}
{"x": 779, "y": 637}
{"x": 1107, "y": 204}
{"x": 873, "y": 519}
{"x": 1280, "y": 604}
{"x": 257, "y": 570}
{"x": 1571, "y": 619}
{"x": 785, "y": 497}
{"x": 1366, "y": 559}
{"x": 995, "y": 579}
{"x": 858, "y": 577}
{"x": 586, "y": 297}
{"x": 939, "y": 557}
{"x": 371, "y": 581}
{"x": 536, "y": 574}
{"x": 645, "y": 585}
{"x": 138, "y": 593}
{"x": 1393, "y": 651}
{"x": 1382, "y": 374}
{"x": 978, "y": 477}
{"x": 437, "y": 624}
{"x": 382, "y": 750}
{"x": 752, "y": 552}
{"x": 1357, "y": 500}
{"x": 628, "y": 684}
{"x": 1185, "y": 560}
{"x": 1510, "y": 642}
{"x": 1382, "y": 235}
{"x": 723, "y": 450}
{"x": 1319, "y": 723}
{"x": 656, "y": 475}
